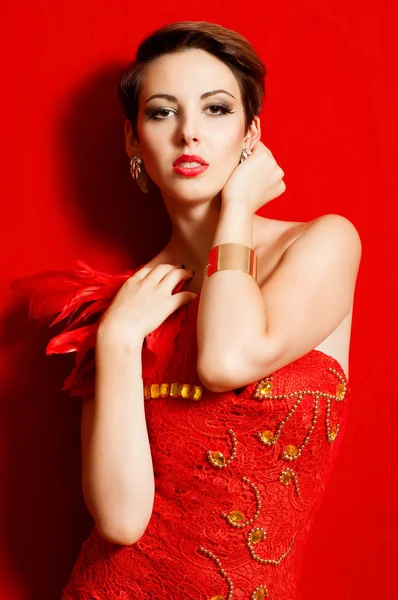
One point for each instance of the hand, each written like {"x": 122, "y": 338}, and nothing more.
{"x": 256, "y": 181}
{"x": 144, "y": 301}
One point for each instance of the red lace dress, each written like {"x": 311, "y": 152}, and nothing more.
{"x": 238, "y": 475}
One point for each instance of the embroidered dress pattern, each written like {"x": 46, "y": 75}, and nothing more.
{"x": 239, "y": 475}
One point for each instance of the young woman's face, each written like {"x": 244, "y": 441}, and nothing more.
{"x": 212, "y": 127}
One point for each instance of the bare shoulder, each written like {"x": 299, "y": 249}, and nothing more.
{"x": 335, "y": 231}
{"x": 330, "y": 240}
{"x": 329, "y": 237}
{"x": 335, "y": 220}
{"x": 332, "y": 222}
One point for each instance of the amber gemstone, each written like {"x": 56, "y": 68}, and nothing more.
{"x": 217, "y": 597}
{"x": 185, "y": 390}
{"x": 333, "y": 434}
{"x": 218, "y": 457}
{"x": 256, "y": 536}
{"x": 286, "y": 477}
{"x": 236, "y": 516}
{"x": 155, "y": 390}
{"x": 260, "y": 594}
{"x": 265, "y": 388}
{"x": 267, "y": 436}
{"x": 175, "y": 389}
{"x": 291, "y": 450}
{"x": 164, "y": 389}
{"x": 196, "y": 393}
{"x": 340, "y": 390}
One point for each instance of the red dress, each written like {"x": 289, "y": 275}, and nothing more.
{"x": 238, "y": 475}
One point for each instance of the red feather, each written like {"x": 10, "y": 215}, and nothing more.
{"x": 63, "y": 294}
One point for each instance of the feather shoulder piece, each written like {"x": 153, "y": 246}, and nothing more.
{"x": 79, "y": 298}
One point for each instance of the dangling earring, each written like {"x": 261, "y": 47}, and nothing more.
{"x": 138, "y": 173}
{"x": 245, "y": 153}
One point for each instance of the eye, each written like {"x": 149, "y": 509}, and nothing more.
{"x": 224, "y": 109}
{"x": 155, "y": 113}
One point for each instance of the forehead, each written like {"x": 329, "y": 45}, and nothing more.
{"x": 186, "y": 74}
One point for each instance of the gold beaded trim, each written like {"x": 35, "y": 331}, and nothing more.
{"x": 222, "y": 571}
{"x": 181, "y": 390}
{"x": 258, "y": 534}
{"x": 292, "y": 452}
{"x": 331, "y": 433}
{"x": 260, "y": 592}
{"x": 286, "y": 476}
{"x": 217, "y": 458}
{"x": 264, "y": 388}
{"x": 235, "y": 517}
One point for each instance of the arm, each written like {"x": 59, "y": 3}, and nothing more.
{"x": 251, "y": 332}
{"x": 117, "y": 471}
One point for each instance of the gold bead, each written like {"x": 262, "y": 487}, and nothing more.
{"x": 217, "y": 597}
{"x": 175, "y": 389}
{"x": 185, "y": 390}
{"x": 155, "y": 390}
{"x": 196, "y": 393}
{"x": 164, "y": 389}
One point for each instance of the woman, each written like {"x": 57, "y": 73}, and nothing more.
{"x": 221, "y": 366}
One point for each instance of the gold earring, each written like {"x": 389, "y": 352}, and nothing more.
{"x": 137, "y": 170}
{"x": 245, "y": 153}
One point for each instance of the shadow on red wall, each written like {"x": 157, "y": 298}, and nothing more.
{"x": 45, "y": 517}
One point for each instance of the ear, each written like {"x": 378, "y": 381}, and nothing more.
{"x": 132, "y": 144}
{"x": 253, "y": 134}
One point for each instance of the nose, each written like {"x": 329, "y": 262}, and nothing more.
{"x": 187, "y": 137}
{"x": 188, "y": 130}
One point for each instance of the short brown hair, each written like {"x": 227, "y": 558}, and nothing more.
{"x": 227, "y": 45}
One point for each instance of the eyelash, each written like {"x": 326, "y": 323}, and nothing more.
{"x": 225, "y": 110}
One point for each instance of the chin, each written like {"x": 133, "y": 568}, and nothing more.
{"x": 188, "y": 190}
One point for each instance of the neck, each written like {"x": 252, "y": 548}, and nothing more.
{"x": 193, "y": 230}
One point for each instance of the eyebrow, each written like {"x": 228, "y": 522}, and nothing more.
{"x": 203, "y": 96}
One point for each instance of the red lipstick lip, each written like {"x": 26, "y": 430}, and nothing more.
{"x": 190, "y": 171}
{"x": 189, "y": 158}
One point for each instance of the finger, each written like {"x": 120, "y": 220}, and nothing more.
{"x": 142, "y": 273}
{"x": 154, "y": 273}
{"x": 176, "y": 275}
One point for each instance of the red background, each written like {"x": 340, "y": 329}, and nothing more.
{"x": 329, "y": 118}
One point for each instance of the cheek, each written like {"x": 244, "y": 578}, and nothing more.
{"x": 154, "y": 154}
{"x": 232, "y": 156}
